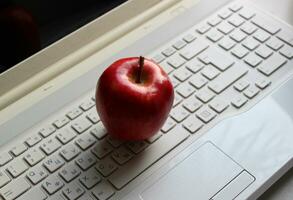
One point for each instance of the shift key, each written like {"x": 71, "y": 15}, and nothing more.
{"x": 149, "y": 156}
{"x": 14, "y": 189}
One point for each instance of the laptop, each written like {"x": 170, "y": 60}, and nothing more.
{"x": 229, "y": 132}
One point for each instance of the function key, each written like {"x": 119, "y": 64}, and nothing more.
{"x": 189, "y": 38}
{"x": 224, "y": 14}
{"x": 203, "y": 28}
{"x": 47, "y": 130}
{"x": 86, "y": 105}
{"x": 5, "y": 158}
{"x": 74, "y": 113}
{"x": 18, "y": 149}
{"x": 179, "y": 44}
{"x": 169, "y": 51}
{"x": 32, "y": 140}
{"x": 214, "y": 21}
{"x": 235, "y": 7}
{"x": 158, "y": 58}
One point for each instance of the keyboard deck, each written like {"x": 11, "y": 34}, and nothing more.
{"x": 222, "y": 65}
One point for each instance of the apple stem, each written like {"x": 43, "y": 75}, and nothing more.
{"x": 141, "y": 64}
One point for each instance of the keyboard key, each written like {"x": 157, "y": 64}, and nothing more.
{"x": 168, "y": 125}
{"x": 239, "y": 51}
{"x": 214, "y": 20}
{"x": 50, "y": 146}
{"x": 190, "y": 51}
{"x": 206, "y": 114}
{"x": 266, "y": 24}
{"x": 198, "y": 81}
{"x": 85, "y": 141}
{"x": 179, "y": 44}
{"x": 238, "y": 101}
{"x": 122, "y": 155}
{"x": 218, "y": 105}
{"x": 189, "y": 38}
{"x": 185, "y": 89}
{"x": 86, "y": 160}
{"x": 227, "y": 43}
{"x": 99, "y": 131}
{"x": 73, "y": 191}
{"x": 246, "y": 13}
{"x": 178, "y": 114}
{"x": 33, "y": 156}
{"x": 87, "y": 104}
{"x": 81, "y": 125}
{"x": 52, "y": 184}
{"x": 74, "y": 113}
{"x": 274, "y": 43}
{"x": 253, "y": 60}
{"x": 210, "y": 72}
{"x": 106, "y": 166}
{"x": 18, "y": 149}
{"x": 241, "y": 85}
{"x": 4, "y": 179}
{"x": 192, "y": 104}
{"x": 194, "y": 65}
{"x": 228, "y": 78}
{"x": 115, "y": 142}
{"x": 262, "y": 83}
{"x": 14, "y": 189}
{"x": 286, "y": 36}
{"x": 33, "y": 140}
{"x": 16, "y": 168}
{"x": 36, "y": 175}
{"x": 5, "y": 158}
{"x": 90, "y": 178}
{"x": 272, "y": 64}
{"x": 158, "y": 58}
{"x": 264, "y": 51}
{"x": 205, "y": 95}
{"x": 176, "y": 61}
{"x": 192, "y": 124}
{"x": 182, "y": 74}
{"x": 203, "y": 28}
{"x": 238, "y": 35}
{"x": 235, "y": 7}
{"x": 103, "y": 191}
{"x": 69, "y": 172}
{"x": 154, "y": 137}
{"x": 225, "y": 13}
{"x": 225, "y": 28}
{"x": 47, "y": 130}
{"x": 102, "y": 149}
{"x": 251, "y": 91}
{"x": 169, "y": 51}
{"x": 166, "y": 67}
{"x": 216, "y": 58}
{"x": 174, "y": 81}
{"x": 248, "y": 28}
{"x": 53, "y": 163}
{"x": 158, "y": 149}
{"x": 93, "y": 116}
{"x": 214, "y": 35}
{"x": 261, "y": 35}
{"x": 34, "y": 194}
{"x": 65, "y": 135}
{"x": 61, "y": 121}
{"x": 137, "y": 146}
{"x": 287, "y": 51}
{"x": 177, "y": 100}
{"x": 236, "y": 20}
{"x": 69, "y": 152}
{"x": 250, "y": 43}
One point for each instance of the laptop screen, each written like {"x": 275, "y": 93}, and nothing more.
{"x": 27, "y": 26}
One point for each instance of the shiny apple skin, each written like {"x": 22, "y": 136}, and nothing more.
{"x": 131, "y": 110}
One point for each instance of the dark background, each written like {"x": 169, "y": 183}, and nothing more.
{"x": 27, "y": 26}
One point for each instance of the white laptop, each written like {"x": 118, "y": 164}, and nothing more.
{"x": 229, "y": 134}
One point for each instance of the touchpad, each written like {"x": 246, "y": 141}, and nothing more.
{"x": 199, "y": 176}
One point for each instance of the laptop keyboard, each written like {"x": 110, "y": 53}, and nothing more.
{"x": 217, "y": 66}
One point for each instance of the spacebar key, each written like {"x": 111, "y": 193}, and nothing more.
{"x": 148, "y": 157}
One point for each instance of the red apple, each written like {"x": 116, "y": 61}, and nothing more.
{"x": 133, "y": 98}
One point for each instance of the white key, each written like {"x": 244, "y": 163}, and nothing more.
{"x": 72, "y": 191}
{"x": 103, "y": 191}
{"x": 66, "y": 135}
{"x": 86, "y": 160}
{"x": 34, "y": 194}
{"x": 238, "y": 101}
{"x": 52, "y": 184}
{"x": 238, "y": 35}
{"x": 33, "y": 156}
{"x": 253, "y": 60}
{"x": 114, "y": 141}
{"x": 175, "y": 61}
{"x": 226, "y": 79}
{"x": 241, "y": 85}
{"x": 61, "y": 121}
{"x": 261, "y": 35}
{"x": 85, "y": 141}
{"x": 178, "y": 114}
{"x": 53, "y": 163}
{"x": 246, "y": 13}
{"x": 264, "y": 51}
{"x": 218, "y": 105}
{"x": 274, "y": 43}
{"x": 185, "y": 89}
{"x": 158, "y": 58}
{"x": 287, "y": 52}
{"x": 192, "y": 124}
{"x": 203, "y": 28}
{"x": 169, "y": 51}
{"x": 262, "y": 83}
{"x": 4, "y": 179}
{"x": 194, "y": 65}
{"x": 206, "y": 114}
{"x": 227, "y": 43}
{"x": 216, "y": 58}
{"x": 69, "y": 152}
{"x": 248, "y": 28}
{"x": 87, "y": 104}
{"x": 225, "y": 28}
{"x": 33, "y": 140}
{"x": 205, "y": 95}
{"x": 137, "y": 146}
{"x": 266, "y": 24}
{"x": 122, "y": 155}
{"x": 50, "y": 146}
{"x": 198, "y": 81}
{"x": 182, "y": 74}
{"x": 235, "y": 7}
{"x": 214, "y": 35}
{"x": 158, "y": 149}
{"x": 166, "y": 67}
{"x": 179, "y": 44}
{"x": 168, "y": 125}
{"x": 18, "y": 149}
{"x": 174, "y": 81}
{"x": 225, "y": 13}
{"x": 102, "y": 149}
{"x": 36, "y": 175}
{"x": 106, "y": 166}
{"x": 14, "y": 189}
{"x": 57, "y": 197}
{"x": 190, "y": 51}
{"x": 239, "y": 51}
{"x": 214, "y": 20}
{"x": 17, "y": 167}
{"x": 93, "y": 116}
{"x": 99, "y": 131}
{"x": 251, "y": 91}
{"x": 5, "y": 158}
{"x": 286, "y": 36}
{"x": 69, "y": 172}
{"x": 272, "y": 64}
{"x": 189, "y": 37}
{"x": 250, "y": 43}
{"x": 210, "y": 72}
{"x": 154, "y": 137}
{"x": 177, "y": 100}
{"x": 192, "y": 104}
{"x": 74, "y": 113}
{"x": 90, "y": 178}
{"x": 81, "y": 125}
{"x": 47, "y": 130}
{"x": 236, "y": 20}
{"x": 85, "y": 197}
